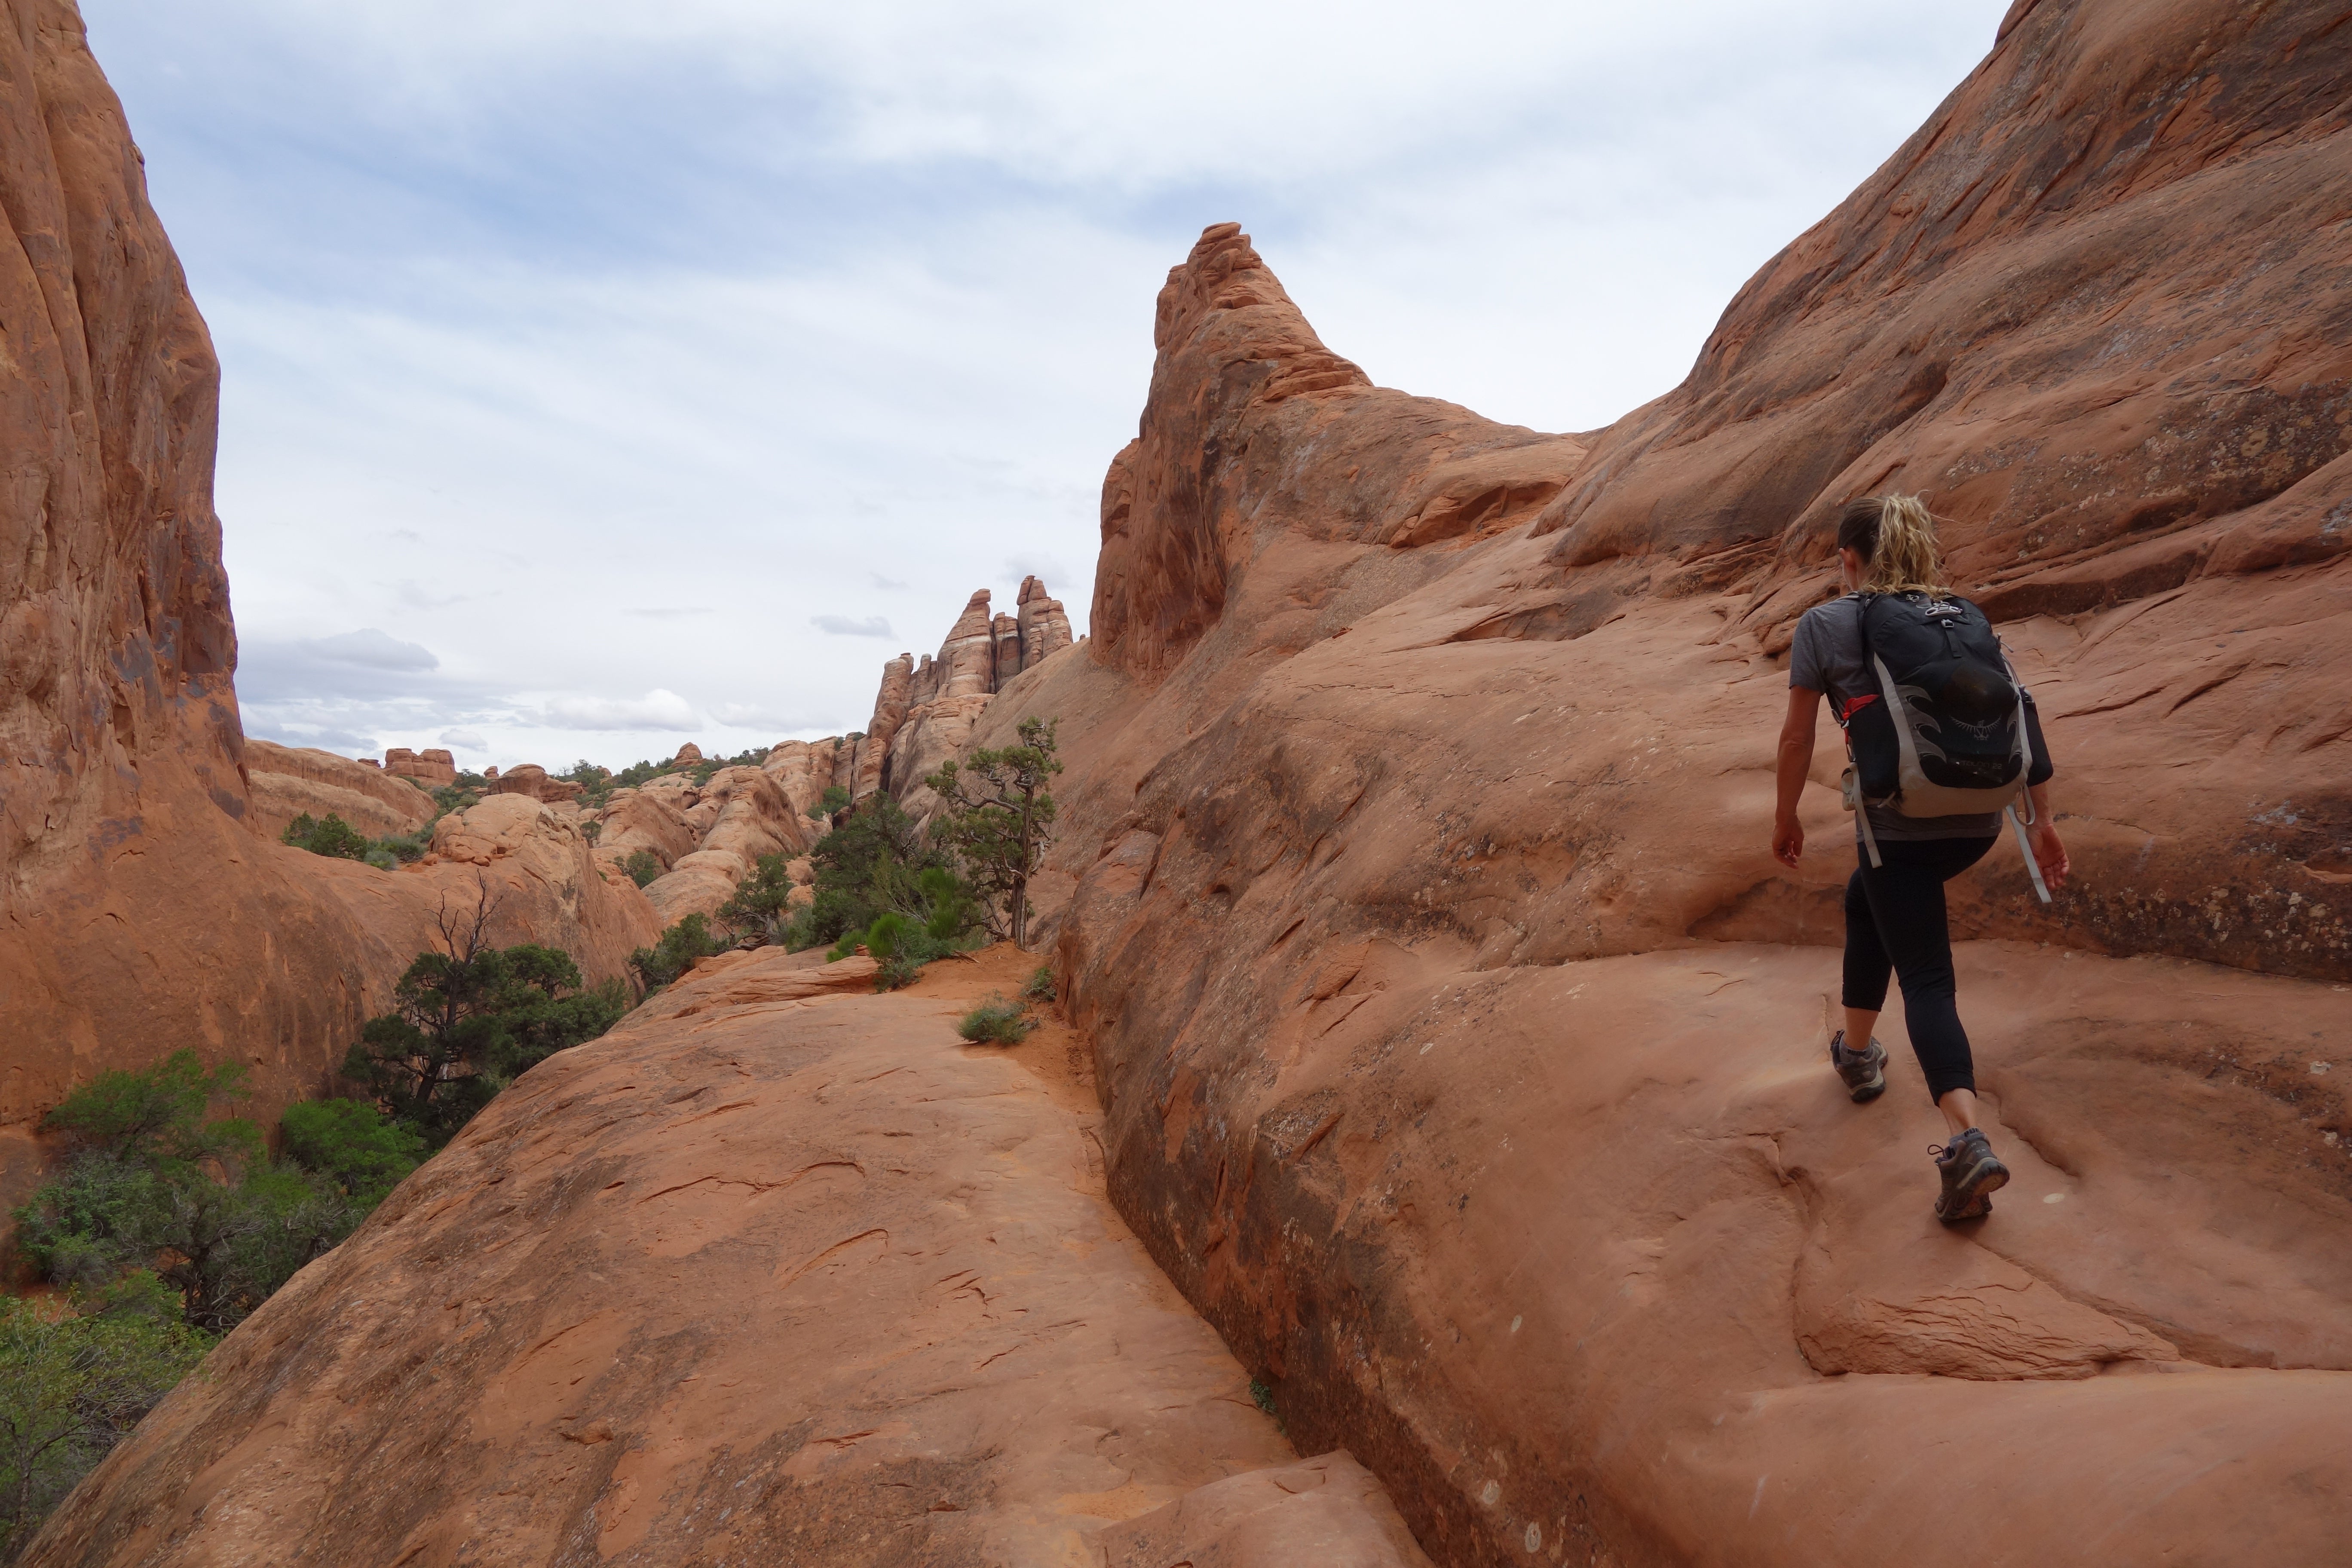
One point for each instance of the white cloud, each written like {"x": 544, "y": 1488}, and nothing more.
{"x": 843, "y": 626}
{"x": 464, "y": 739}
{"x": 371, "y": 649}
{"x": 622, "y": 347}
{"x": 657, "y": 709}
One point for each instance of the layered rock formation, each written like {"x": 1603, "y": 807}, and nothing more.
{"x": 776, "y": 1272}
{"x": 430, "y": 768}
{"x": 1460, "y": 1042}
{"x": 288, "y": 781}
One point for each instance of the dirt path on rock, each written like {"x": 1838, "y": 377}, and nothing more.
{"x": 779, "y": 1271}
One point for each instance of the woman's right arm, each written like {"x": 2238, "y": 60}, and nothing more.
{"x": 1796, "y": 761}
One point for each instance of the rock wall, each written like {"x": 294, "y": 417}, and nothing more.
{"x": 1461, "y": 1045}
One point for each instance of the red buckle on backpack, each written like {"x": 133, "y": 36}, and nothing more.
{"x": 1855, "y": 705}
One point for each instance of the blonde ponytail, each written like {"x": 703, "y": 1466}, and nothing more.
{"x": 1896, "y": 537}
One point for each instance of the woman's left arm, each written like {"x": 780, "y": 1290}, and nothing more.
{"x": 1796, "y": 763}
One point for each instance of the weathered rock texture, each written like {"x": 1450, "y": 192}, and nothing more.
{"x": 430, "y": 768}
{"x": 531, "y": 779}
{"x": 288, "y": 781}
{"x": 144, "y": 905}
{"x": 1461, "y": 1045}
{"x": 778, "y": 1271}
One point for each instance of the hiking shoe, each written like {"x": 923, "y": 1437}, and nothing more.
{"x": 1971, "y": 1175}
{"x": 1864, "y": 1071}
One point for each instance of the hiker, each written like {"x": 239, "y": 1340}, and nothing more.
{"x": 1942, "y": 739}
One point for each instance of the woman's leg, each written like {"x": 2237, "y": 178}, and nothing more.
{"x": 1906, "y": 898}
{"x": 1867, "y": 967}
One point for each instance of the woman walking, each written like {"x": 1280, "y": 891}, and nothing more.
{"x": 1895, "y": 912}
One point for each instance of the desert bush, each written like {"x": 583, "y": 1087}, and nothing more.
{"x": 871, "y": 864}
{"x": 469, "y": 1019}
{"x": 759, "y": 906}
{"x": 1041, "y": 984}
{"x": 152, "y": 1183}
{"x": 661, "y": 964}
{"x": 75, "y": 1376}
{"x": 994, "y": 1022}
{"x": 334, "y": 837}
{"x": 352, "y": 1143}
{"x": 642, "y": 867}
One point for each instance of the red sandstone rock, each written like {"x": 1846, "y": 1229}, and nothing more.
{"x": 777, "y": 1271}
{"x": 1043, "y": 625}
{"x": 1005, "y": 631}
{"x": 1461, "y": 1043}
{"x": 889, "y": 711}
{"x": 967, "y": 661}
{"x": 688, "y": 755}
{"x": 531, "y": 779}
{"x": 288, "y": 781}
{"x": 430, "y": 768}
{"x": 647, "y": 819}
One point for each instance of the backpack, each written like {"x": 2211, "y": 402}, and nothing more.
{"x": 1950, "y": 731}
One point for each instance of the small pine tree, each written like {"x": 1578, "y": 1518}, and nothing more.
{"x": 760, "y": 907}
{"x": 642, "y": 867}
{"x": 334, "y": 837}
{"x": 997, "y": 817}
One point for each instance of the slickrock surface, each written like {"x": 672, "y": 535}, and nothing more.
{"x": 531, "y": 779}
{"x": 778, "y": 1271}
{"x": 289, "y": 781}
{"x": 1461, "y": 1043}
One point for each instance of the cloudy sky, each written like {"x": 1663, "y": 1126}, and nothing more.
{"x": 599, "y": 374}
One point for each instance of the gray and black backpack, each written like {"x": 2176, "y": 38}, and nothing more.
{"x": 1950, "y": 731}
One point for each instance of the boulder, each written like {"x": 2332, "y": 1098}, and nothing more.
{"x": 753, "y": 816}
{"x": 288, "y": 781}
{"x": 531, "y": 779}
{"x": 688, "y": 755}
{"x": 697, "y": 884}
{"x": 644, "y": 818}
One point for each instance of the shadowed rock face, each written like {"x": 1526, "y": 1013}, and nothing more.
{"x": 777, "y": 1271}
{"x": 1461, "y": 1045}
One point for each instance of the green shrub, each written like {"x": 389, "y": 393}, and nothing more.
{"x": 352, "y": 1143}
{"x": 996, "y": 814}
{"x": 458, "y": 796}
{"x": 1041, "y": 984}
{"x": 73, "y": 1383}
{"x": 994, "y": 1022}
{"x": 152, "y": 1183}
{"x": 661, "y": 964}
{"x": 760, "y": 906}
{"x": 642, "y": 867}
{"x": 334, "y": 837}
{"x": 470, "y": 1020}
{"x": 835, "y": 801}
{"x": 871, "y": 864}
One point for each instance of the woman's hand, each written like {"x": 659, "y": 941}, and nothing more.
{"x": 2051, "y": 855}
{"x": 1788, "y": 840}
{"x": 1796, "y": 758}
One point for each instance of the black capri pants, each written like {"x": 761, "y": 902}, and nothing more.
{"x": 1894, "y": 924}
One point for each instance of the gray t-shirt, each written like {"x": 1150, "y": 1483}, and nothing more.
{"x": 1827, "y": 657}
